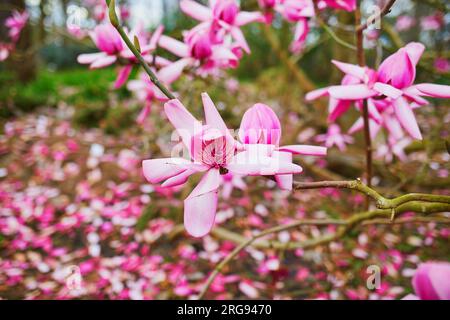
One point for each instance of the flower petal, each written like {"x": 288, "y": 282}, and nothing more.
{"x": 351, "y": 69}
{"x": 313, "y": 95}
{"x": 157, "y": 170}
{"x": 406, "y": 117}
{"x": 176, "y": 47}
{"x": 245, "y": 17}
{"x": 351, "y": 92}
{"x": 305, "y": 150}
{"x": 103, "y": 62}
{"x": 201, "y": 205}
{"x": 183, "y": 121}
{"x": 434, "y": 90}
{"x": 195, "y": 10}
{"x": 387, "y": 90}
{"x": 284, "y": 181}
{"x": 173, "y": 71}
{"x": 88, "y": 58}
{"x": 123, "y": 75}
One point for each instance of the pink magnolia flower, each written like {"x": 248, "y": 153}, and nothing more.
{"x": 335, "y": 137}
{"x": 199, "y": 50}
{"x": 392, "y": 85}
{"x": 261, "y": 130}
{"x": 16, "y": 23}
{"x": 212, "y": 151}
{"x": 431, "y": 282}
{"x": 300, "y": 34}
{"x": 113, "y": 49}
{"x": 223, "y": 14}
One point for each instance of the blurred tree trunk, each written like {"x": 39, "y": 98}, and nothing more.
{"x": 23, "y": 60}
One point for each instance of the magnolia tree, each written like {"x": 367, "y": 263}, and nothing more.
{"x": 385, "y": 96}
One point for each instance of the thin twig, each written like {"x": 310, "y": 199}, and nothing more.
{"x": 384, "y": 11}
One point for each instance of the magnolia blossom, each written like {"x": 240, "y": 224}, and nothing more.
{"x": 16, "y": 23}
{"x": 334, "y": 136}
{"x": 389, "y": 88}
{"x": 222, "y": 15}
{"x": 431, "y": 281}
{"x": 212, "y": 152}
{"x": 199, "y": 50}
{"x": 261, "y": 130}
{"x": 113, "y": 50}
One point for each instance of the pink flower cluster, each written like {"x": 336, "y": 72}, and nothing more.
{"x": 390, "y": 94}
{"x": 216, "y": 43}
{"x": 213, "y": 151}
{"x": 300, "y": 12}
{"x": 15, "y": 24}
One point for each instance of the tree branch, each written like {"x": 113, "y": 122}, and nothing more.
{"x": 384, "y": 11}
{"x": 346, "y": 226}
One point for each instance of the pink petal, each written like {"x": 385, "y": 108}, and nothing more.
{"x": 422, "y": 284}
{"x": 195, "y": 10}
{"x": 103, "y": 62}
{"x": 313, "y": 95}
{"x": 237, "y": 35}
{"x": 305, "y": 150}
{"x": 212, "y": 116}
{"x": 88, "y": 58}
{"x": 245, "y": 17}
{"x": 336, "y": 108}
{"x": 157, "y": 170}
{"x": 173, "y": 71}
{"x": 178, "y": 179}
{"x": 440, "y": 279}
{"x": 248, "y": 164}
{"x": 200, "y": 206}
{"x": 387, "y": 90}
{"x": 284, "y": 181}
{"x": 373, "y": 111}
{"x": 123, "y": 75}
{"x": 351, "y": 69}
{"x": 176, "y": 47}
{"x": 183, "y": 121}
{"x": 434, "y": 90}
{"x": 406, "y": 117}
{"x": 415, "y": 51}
{"x": 351, "y": 92}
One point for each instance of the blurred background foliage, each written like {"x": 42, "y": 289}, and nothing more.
{"x": 44, "y": 72}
